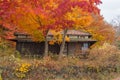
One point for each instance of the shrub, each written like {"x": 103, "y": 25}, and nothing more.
{"x": 103, "y": 63}
{"x": 6, "y": 48}
{"x": 22, "y": 70}
{"x": 106, "y": 56}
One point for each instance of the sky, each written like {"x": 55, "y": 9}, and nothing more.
{"x": 110, "y": 9}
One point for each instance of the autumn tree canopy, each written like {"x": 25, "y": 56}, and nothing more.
{"x": 101, "y": 30}
{"x": 37, "y": 17}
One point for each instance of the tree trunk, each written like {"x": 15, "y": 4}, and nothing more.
{"x": 46, "y": 45}
{"x": 63, "y": 44}
{"x": 46, "y": 40}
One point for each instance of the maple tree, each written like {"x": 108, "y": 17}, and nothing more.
{"x": 37, "y": 17}
{"x": 101, "y": 30}
{"x": 81, "y": 17}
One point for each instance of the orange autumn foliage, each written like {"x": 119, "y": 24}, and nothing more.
{"x": 101, "y": 31}
{"x": 37, "y": 16}
{"x": 57, "y": 37}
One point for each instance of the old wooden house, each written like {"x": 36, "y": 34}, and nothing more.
{"x": 79, "y": 41}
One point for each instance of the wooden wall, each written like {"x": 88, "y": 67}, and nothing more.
{"x": 35, "y": 48}
{"x": 30, "y": 47}
{"x": 38, "y": 48}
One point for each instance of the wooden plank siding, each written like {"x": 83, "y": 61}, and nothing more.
{"x": 78, "y": 39}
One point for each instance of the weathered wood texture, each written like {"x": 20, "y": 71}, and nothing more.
{"x": 38, "y": 48}
{"x": 78, "y": 41}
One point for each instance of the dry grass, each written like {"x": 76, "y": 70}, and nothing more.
{"x": 103, "y": 63}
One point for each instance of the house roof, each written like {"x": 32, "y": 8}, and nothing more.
{"x": 73, "y": 32}
{"x": 69, "y": 32}
{"x": 76, "y": 32}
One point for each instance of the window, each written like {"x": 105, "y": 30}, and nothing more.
{"x": 81, "y": 37}
{"x": 85, "y": 46}
{"x": 86, "y": 37}
{"x": 21, "y": 36}
{"x": 73, "y": 36}
{"x": 50, "y": 37}
{"x": 28, "y": 36}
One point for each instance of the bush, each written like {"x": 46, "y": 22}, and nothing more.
{"x": 103, "y": 63}
{"x": 106, "y": 56}
{"x": 6, "y": 49}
